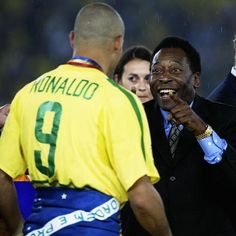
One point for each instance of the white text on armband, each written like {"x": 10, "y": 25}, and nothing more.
{"x": 101, "y": 212}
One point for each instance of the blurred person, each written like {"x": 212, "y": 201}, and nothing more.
{"x": 66, "y": 128}
{"x": 225, "y": 92}
{"x": 24, "y": 196}
{"x": 196, "y": 162}
{"x": 133, "y": 70}
{"x": 133, "y": 73}
{"x": 4, "y": 110}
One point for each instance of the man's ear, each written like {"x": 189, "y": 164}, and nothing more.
{"x": 118, "y": 43}
{"x": 72, "y": 38}
{"x": 196, "y": 80}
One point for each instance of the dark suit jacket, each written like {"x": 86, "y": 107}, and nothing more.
{"x": 199, "y": 198}
{"x": 225, "y": 92}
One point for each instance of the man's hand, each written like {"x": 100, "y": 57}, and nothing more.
{"x": 181, "y": 113}
{"x": 4, "y": 110}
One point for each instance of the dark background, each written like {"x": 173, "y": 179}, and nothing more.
{"x": 34, "y": 34}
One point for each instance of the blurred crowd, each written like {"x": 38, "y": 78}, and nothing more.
{"x": 33, "y": 34}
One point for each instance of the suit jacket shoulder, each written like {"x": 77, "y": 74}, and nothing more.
{"x": 218, "y": 114}
{"x": 225, "y": 92}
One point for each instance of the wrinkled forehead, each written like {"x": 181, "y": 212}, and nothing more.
{"x": 170, "y": 55}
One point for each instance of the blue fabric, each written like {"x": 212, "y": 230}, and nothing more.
{"x": 167, "y": 124}
{"x": 51, "y": 203}
{"x": 25, "y": 195}
{"x": 213, "y": 148}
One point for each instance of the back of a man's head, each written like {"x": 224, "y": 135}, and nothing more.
{"x": 96, "y": 23}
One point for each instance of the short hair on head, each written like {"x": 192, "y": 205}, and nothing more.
{"x": 191, "y": 53}
{"x": 97, "y": 22}
{"x": 134, "y": 52}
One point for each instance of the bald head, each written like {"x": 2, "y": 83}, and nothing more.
{"x": 98, "y": 34}
{"x": 97, "y": 23}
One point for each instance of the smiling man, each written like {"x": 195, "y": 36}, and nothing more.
{"x": 197, "y": 164}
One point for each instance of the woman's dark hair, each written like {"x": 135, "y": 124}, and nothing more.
{"x": 191, "y": 53}
{"x": 134, "y": 52}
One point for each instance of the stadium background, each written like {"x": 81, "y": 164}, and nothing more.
{"x": 34, "y": 34}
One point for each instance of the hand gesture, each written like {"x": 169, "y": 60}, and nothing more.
{"x": 181, "y": 113}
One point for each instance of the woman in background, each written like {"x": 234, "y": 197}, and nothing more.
{"x": 132, "y": 71}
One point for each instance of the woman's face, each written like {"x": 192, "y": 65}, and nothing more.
{"x": 136, "y": 78}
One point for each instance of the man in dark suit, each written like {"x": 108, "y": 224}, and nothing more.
{"x": 198, "y": 175}
{"x": 225, "y": 92}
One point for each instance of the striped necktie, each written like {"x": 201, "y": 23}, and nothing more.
{"x": 173, "y": 138}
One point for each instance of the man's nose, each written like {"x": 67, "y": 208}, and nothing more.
{"x": 164, "y": 78}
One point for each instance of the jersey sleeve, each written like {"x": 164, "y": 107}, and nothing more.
{"x": 129, "y": 142}
{"x": 11, "y": 160}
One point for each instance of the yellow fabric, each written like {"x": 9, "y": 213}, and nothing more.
{"x": 80, "y": 130}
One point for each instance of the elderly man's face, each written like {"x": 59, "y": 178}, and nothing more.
{"x": 171, "y": 74}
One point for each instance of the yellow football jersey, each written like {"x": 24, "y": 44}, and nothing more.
{"x": 75, "y": 127}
